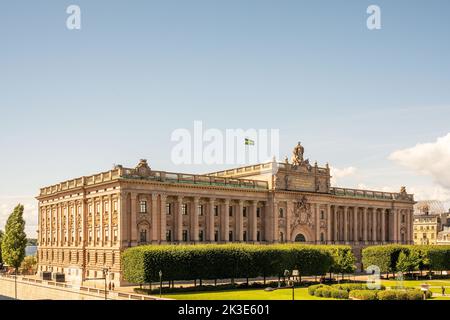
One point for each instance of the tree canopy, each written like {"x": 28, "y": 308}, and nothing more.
{"x": 14, "y": 240}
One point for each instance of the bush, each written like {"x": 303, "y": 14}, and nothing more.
{"x": 319, "y": 292}
{"x": 405, "y": 294}
{"x": 392, "y": 258}
{"x": 339, "y": 294}
{"x": 354, "y": 286}
{"x": 313, "y": 288}
{"x": 364, "y": 294}
{"x": 188, "y": 262}
{"x": 387, "y": 295}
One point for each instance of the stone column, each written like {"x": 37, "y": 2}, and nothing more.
{"x": 374, "y": 224}
{"x": 395, "y": 227}
{"x": 134, "y": 237}
{"x": 335, "y": 213}
{"x": 94, "y": 226}
{"x": 110, "y": 219}
{"x": 329, "y": 234}
{"x": 210, "y": 221}
{"x": 355, "y": 224}
{"x": 179, "y": 219}
{"x": 383, "y": 225}
{"x": 225, "y": 221}
{"x": 345, "y": 224}
{"x": 253, "y": 221}
{"x": 268, "y": 218}
{"x": 365, "y": 225}
{"x": 239, "y": 221}
{"x": 275, "y": 213}
{"x": 410, "y": 226}
{"x": 83, "y": 223}
{"x": 122, "y": 219}
{"x": 317, "y": 223}
{"x": 163, "y": 219}
{"x": 289, "y": 216}
{"x": 155, "y": 223}
{"x": 196, "y": 213}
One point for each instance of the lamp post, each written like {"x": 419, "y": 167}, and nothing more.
{"x": 160, "y": 283}
{"x": 105, "y": 274}
{"x": 287, "y": 274}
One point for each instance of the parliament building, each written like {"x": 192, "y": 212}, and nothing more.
{"x": 85, "y": 223}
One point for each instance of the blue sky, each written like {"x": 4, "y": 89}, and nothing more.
{"x": 73, "y": 102}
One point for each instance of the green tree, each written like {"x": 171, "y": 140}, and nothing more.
{"x": 408, "y": 262}
{"x": 1, "y": 238}
{"x": 28, "y": 265}
{"x": 14, "y": 240}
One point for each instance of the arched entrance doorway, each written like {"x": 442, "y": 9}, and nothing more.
{"x": 300, "y": 238}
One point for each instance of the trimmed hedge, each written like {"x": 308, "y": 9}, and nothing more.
{"x": 325, "y": 291}
{"x": 412, "y": 258}
{"x": 212, "y": 261}
{"x": 410, "y": 294}
{"x": 364, "y": 294}
{"x": 354, "y": 286}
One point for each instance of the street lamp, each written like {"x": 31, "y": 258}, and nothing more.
{"x": 286, "y": 274}
{"x": 105, "y": 274}
{"x": 160, "y": 283}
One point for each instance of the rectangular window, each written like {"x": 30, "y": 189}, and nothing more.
{"x": 106, "y": 234}
{"x": 90, "y": 235}
{"x": 98, "y": 235}
{"x": 216, "y": 211}
{"x": 230, "y": 211}
{"x": 115, "y": 206}
{"x": 106, "y": 206}
{"x": 230, "y": 236}
{"x": 168, "y": 235}
{"x": 244, "y": 212}
{"x": 244, "y": 236}
{"x": 184, "y": 209}
{"x": 98, "y": 208}
{"x": 216, "y": 235}
{"x": 258, "y": 212}
{"x": 115, "y": 234}
{"x": 185, "y": 235}
{"x": 168, "y": 209}
{"x": 200, "y": 210}
{"x": 143, "y": 206}
{"x": 200, "y": 235}
{"x": 258, "y": 236}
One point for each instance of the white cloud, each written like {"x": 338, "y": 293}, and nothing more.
{"x": 431, "y": 159}
{"x": 337, "y": 173}
{"x": 7, "y": 204}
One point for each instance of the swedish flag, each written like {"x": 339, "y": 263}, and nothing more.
{"x": 249, "y": 142}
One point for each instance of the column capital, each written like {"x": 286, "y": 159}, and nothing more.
{"x": 180, "y": 199}
{"x": 154, "y": 196}
{"x": 196, "y": 199}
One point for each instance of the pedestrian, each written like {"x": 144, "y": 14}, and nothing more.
{"x": 443, "y": 291}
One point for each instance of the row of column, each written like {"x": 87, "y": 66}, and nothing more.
{"x": 159, "y": 218}
{"x": 350, "y": 223}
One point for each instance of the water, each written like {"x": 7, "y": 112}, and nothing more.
{"x": 30, "y": 250}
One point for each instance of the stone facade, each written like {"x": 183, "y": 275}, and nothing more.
{"x": 85, "y": 223}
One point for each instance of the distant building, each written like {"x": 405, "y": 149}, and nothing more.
{"x": 444, "y": 236}
{"x": 429, "y": 221}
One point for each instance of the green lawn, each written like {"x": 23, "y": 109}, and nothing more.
{"x": 300, "y": 293}
{"x": 247, "y": 294}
